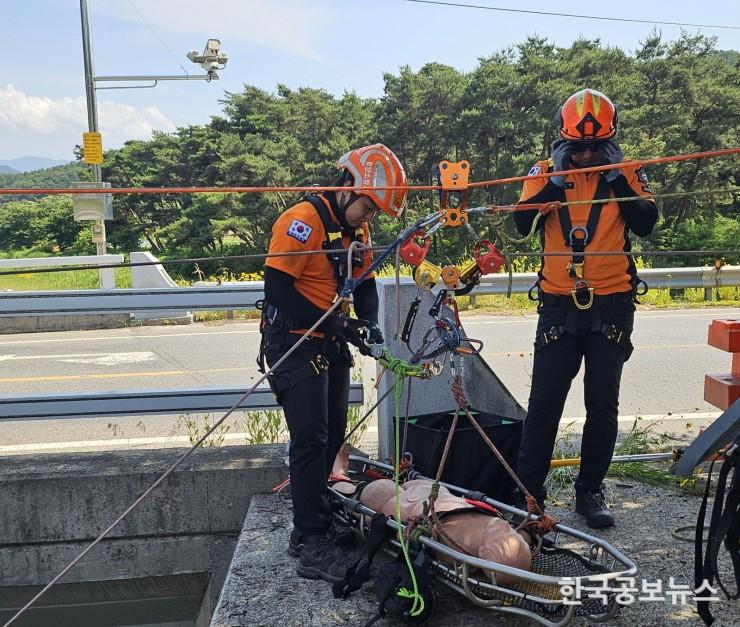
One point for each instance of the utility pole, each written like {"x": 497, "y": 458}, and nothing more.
{"x": 212, "y": 60}
{"x": 106, "y": 275}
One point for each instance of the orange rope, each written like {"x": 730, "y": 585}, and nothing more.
{"x": 615, "y": 166}
{"x": 419, "y": 188}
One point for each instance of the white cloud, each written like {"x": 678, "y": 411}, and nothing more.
{"x": 293, "y": 26}
{"x": 37, "y": 117}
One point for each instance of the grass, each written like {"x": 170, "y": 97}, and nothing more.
{"x": 641, "y": 439}
{"x": 57, "y": 281}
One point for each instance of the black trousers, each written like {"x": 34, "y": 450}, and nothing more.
{"x": 555, "y": 365}
{"x": 316, "y": 413}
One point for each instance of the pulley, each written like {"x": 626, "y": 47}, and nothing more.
{"x": 490, "y": 261}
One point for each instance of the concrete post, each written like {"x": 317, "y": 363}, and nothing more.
{"x": 483, "y": 388}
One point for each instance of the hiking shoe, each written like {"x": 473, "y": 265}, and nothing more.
{"x": 592, "y": 506}
{"x": 344, "y": 538}
{"x": 321, "y": 558}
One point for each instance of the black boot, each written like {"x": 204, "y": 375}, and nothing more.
{"x": 344, "y": 538}
{"x": 321, "y": 558}
{"x": 592, "y": 506}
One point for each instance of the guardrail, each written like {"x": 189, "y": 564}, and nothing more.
{"x": 707, "y": 277}
{"x": 170, "y": 401}
{"x": 241, "y": 296}
{"x": 70, "y": 302}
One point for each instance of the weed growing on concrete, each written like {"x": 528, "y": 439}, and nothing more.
{"x": 643, "y": 439}
{"x": 197, "y": 428}
{"x": 264, "y": 427}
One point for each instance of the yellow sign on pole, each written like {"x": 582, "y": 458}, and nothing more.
{"x": 92, "y": 148}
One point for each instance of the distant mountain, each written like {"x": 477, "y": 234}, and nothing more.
{"x": 58, "y": 176}
{"x": 6, "y": 169}
{"x": 28, "y": 164}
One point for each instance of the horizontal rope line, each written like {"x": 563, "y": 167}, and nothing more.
{"x": 316, "y": 188}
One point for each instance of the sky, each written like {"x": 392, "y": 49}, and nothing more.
{"x": 337, "y": 45}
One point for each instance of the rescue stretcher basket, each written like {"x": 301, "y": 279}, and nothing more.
{"x": 573, "y": 574}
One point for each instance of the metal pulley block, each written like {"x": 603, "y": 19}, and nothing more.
{"x": 427, "y": 274}
{"x": 490, "y": 261}
{"x": 451, "y": 277}
{"x": 412, "y": 252}
{"x": 453, "y": 197}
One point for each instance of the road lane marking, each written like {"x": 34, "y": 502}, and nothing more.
{"x": 91, "y": 338}
{"x": 114, "y": 375}
{"x": 101, "y": 359}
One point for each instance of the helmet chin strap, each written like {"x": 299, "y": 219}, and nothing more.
{"x": 341, "y": 207}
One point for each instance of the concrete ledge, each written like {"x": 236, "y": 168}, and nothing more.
{"x": 262, "y": 588}
{"x": 53, "y": 498}
{"x": 79, "y": 322}
{"x": 52, "y": 506}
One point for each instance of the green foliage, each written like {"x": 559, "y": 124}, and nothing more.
{"x": 60, "y": 176}
{"x": 197, "y": 427}
{"x": 674, "y": 97}
{"x": 264, "y": 427}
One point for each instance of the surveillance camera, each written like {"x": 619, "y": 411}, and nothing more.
{"x": 212, "y": 46}
{"x": 212, "y": 59}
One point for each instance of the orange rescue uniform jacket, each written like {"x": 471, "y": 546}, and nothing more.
{"x": 300, "y": 229}
{"x": 606, "y": 274}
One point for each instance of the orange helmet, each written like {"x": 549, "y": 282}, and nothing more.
{"x": 373, "y": 168}
{"x": 588, "y": 115}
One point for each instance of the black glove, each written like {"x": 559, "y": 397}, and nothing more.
{"x": 612, "y": 154}
{"x": 561, "y": 153}
{"x": 358, "y": 332}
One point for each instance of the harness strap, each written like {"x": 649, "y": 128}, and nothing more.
{"x": 553, "y": 334}
{"x": 615, "y": 334}
{"x": 359, "y": 573}
{"x": 724, "y": 526}
{"x": 724, "y": 522}
{"x": 578, "y": 244}
{"x": 333, "y": 241}
{"x": 286, "y": 380}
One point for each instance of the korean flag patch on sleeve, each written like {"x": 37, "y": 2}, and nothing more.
{"x": 300, "y": 231}
{"x": 535, "y": 170}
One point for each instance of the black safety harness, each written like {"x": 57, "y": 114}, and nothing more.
{"x": 275, "y": 325}
{"x": 577, "y": 238}
{"x": 333, "y": 242}
{"x": 724, "y": 527}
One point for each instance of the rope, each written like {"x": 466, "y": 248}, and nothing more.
{"x": 311, "y": 188}
{"x": 496, "y": 223}
{"x": 544, "y": 524}
{"x": 604, "y": 168}
{"x": 418, "y": 605}
{"x": 601, "y": 201}
{"x": 402, "y": 368}
{"x": 171, "y": 469}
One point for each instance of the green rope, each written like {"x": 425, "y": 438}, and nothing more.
{"x": 497, "y": 224}
{"x": 401, "y": 368}
{"x": 418, "y": 605}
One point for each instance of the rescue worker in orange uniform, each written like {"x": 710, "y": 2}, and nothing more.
{"x": 586, "y": 303}
{"x": 312, "y": 385}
